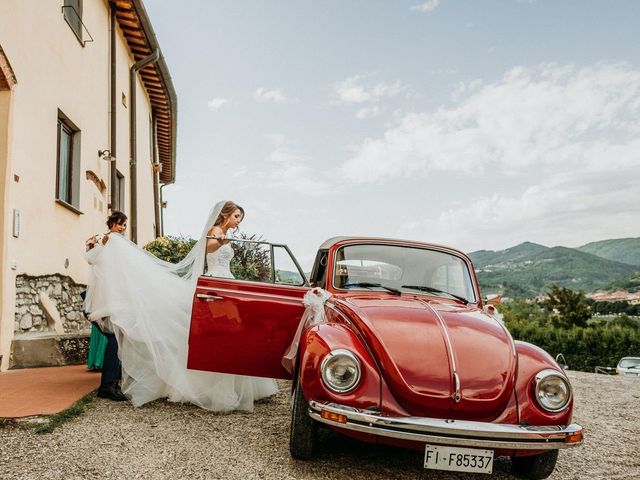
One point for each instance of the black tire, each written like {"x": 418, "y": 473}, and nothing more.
{"x": 304, "y": 431}
{"x": 535, "y": 467}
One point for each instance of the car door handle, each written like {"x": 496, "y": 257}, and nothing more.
{"x": 208, "y": 298}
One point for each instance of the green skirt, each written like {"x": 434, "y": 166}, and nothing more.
{"x": 97, "y": 345}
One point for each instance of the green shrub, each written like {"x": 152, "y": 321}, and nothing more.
{"x": 584, "y": 348}
{"x": 558, "y": 326}
{"x": 170, "y": 249}
{"x": 251, "y": 261}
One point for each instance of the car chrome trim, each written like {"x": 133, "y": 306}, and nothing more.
{"x": 449, "y": 431}
{"x": 340, "y": 352}
{"x": 450, "y": 351}
{"x": 208, "y": 298}
{"x": 443, "y": 325}
{"x": 457, "y": 396}
{"x": 349, "y": 241}
{"x": 550, "y": 372}
{"x": 253, "y": 294}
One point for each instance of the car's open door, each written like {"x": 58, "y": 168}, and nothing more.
{"x": 245, "y": 325}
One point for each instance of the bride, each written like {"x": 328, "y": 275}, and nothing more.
{"x": 149, "y": 304}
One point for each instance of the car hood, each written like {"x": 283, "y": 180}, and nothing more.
{"x": 439, "y": 359}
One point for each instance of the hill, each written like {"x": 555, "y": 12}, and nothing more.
{"x": 628, "y": 284}
{"x": 624, "y": 250}
{"x": 519, "y": 253}
{"x": 528, "y": 269}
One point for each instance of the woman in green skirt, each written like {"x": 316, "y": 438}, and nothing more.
{"x": 97, "y": 345}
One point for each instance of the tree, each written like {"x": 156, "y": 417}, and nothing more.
{"x": 521, "y": 311}
{"x": 571, "y": 307}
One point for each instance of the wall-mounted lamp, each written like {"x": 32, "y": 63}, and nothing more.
{"x": 106, "y": 155}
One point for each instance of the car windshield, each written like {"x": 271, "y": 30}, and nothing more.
{"x": 408, "y": 269}
{"x": 630, "y": 363}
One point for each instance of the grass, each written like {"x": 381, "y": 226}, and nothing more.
{"x": 7, "y": 422}
{"x": 74, "y": 411}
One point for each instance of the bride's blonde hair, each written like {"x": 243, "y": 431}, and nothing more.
{"x": 227, "y": 209}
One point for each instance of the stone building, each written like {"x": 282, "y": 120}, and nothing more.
{"x": 87, "y": 125}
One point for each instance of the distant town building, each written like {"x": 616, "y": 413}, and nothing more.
{"x": 494, "y": 299}
{"x": 87, "y": 125}
{"x": 618, "y": 296}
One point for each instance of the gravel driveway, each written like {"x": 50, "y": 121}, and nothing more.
{"x": 171, "y": 441}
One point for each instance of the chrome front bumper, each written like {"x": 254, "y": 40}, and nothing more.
{"x": 449, "y": 432}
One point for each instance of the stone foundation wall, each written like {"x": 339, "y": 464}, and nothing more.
{"x": 44, "y": 350}
{"x": 39, "y": 298}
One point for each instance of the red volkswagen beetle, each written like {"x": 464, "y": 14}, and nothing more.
{"x": 404, "y": 354}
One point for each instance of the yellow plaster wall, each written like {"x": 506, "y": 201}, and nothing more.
{"x": 55, "y": 71}
{"x": 7, "y": 278}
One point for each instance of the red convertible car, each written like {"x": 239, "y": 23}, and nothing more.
{"x": 405, "y": 354}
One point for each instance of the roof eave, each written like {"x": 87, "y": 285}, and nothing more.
{"x": 168, "y": 82}
{"x": 167, "y": 175}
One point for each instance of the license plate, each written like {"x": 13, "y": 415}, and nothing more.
{"x": 456, "y": 459}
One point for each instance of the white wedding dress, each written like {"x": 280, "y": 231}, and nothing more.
{"x": 219, "y": 262}
{"x": 149, "y": 304}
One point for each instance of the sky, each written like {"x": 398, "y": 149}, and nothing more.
{"x": 473, "y": 124}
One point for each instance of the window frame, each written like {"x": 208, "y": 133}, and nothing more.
{"x": 474, "y": 288}
{"x": 74, "y": 20}
{"x": 67, "y": 195}
{"x": 272, "y": 280}
{"x": 71, "y": 198}
{"x": 119, "y": 193}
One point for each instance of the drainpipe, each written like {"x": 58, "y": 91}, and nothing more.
{"x": 162, "y": 209}
{"x": 133, "y": 220}
{"x": 156, "y": 178}
{"x": 112, "y": 142}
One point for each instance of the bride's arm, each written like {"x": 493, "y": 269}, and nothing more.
{"x": 214, "y": 244}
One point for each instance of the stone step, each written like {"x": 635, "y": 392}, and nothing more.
{"x": 48, "y": 349}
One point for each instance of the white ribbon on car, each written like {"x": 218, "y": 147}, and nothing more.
{"x": 314, "y": 314}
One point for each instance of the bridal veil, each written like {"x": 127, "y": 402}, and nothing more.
{"x": 149, "y": 303}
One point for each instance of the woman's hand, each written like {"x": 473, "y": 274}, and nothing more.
{"x": 216, "y": 240}
{"x": 223, "y": 239}
{"x": 97, "y": 240}
{"x": 91, "y": 242}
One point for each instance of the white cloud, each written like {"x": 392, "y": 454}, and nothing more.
{"x": 274, "y": 95}
{"x": 551, "y": 116}
{"x": 366, "y": 112}
{"x": 426, "y": 6}
{"x": 218, "y": 102}
{"x": 291, "y": 171}
{"x": 356, "y": 90}
{"x": 566, "y": 140}
{"x": 548, "y": 212}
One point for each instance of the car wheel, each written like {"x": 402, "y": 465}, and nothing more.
{"x": 535, "y": 467}
{"x": 304, "y": 430}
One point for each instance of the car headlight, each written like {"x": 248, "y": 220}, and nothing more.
{"x": 340, "y": 371}
{"x": 553, "y": 391}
